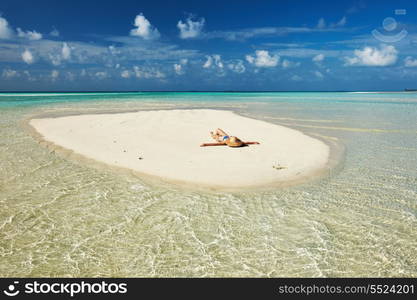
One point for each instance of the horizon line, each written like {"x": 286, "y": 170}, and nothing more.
{"x": 207, "y": 91}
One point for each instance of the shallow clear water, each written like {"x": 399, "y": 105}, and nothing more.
{"x": 59, "y": 217}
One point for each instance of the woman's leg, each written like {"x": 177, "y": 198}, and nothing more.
{"x": 221, "y": 132}
{"x": 218, "y": 135}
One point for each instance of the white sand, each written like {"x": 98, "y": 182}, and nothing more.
{"x": 168, "y": 143}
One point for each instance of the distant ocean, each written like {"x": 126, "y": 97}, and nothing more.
{"x": 62, "y": 218}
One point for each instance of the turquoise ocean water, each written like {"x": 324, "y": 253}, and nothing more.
{"x": 60, "y": 217}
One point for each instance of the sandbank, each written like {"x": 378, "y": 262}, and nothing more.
{"x": 166, "y": 144}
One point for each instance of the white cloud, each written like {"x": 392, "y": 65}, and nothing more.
{"x": 178, "y": 69}
{"x": 213, "y": 61}
{"x": 147, "y": 72}
{"x": 321, "y": 24}
{"x": 318, "y": 74}
{"x": 341, "y": 23}
{"x": 9, "y": 73}
{"x": 54, "y": 75}
{"x": 208, "y": 62}
{"x": 144, "y": 28}
{"x": 54, "y": 33}
{"x": 308, "y": 52}
{"x": 5, "y": 31}
{"x": 29, "y": 76}
{"x": 30, "y": 35}
{"x": 286, "y": 64}
{"x": 125, "y": 74}
{"x": 55, "y": 59}
{"x": 247, "y": 33}
{"x": 132, "y": 49}
{"x": 63, "y": 54}
{"x": 237, "y": 66}
{"x": 296, "y": 78}
{"x": 318, "y": 58}
{"x": 113, "y": 50}
{"x": 263, "y": 59}
{"x": 289, "y": 64}
{"x": 66, "y": 52}
{"x": 190, "y": 29}
{"x": 101, "y": 75}
{"x": 27, "y": 57}
{"x": 70, "y": 76}
{"x": 410, "y": 62}
{"x": 370, "y": 56}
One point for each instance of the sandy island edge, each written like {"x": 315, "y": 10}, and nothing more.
{"x": 334, "y": 164}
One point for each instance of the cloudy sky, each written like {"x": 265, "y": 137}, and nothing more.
{"x": 208, "y": 45}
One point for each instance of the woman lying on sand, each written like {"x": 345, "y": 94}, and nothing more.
{"x": 222, "y": 137}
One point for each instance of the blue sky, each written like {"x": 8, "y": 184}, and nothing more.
{"x": 208, "y": 45}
